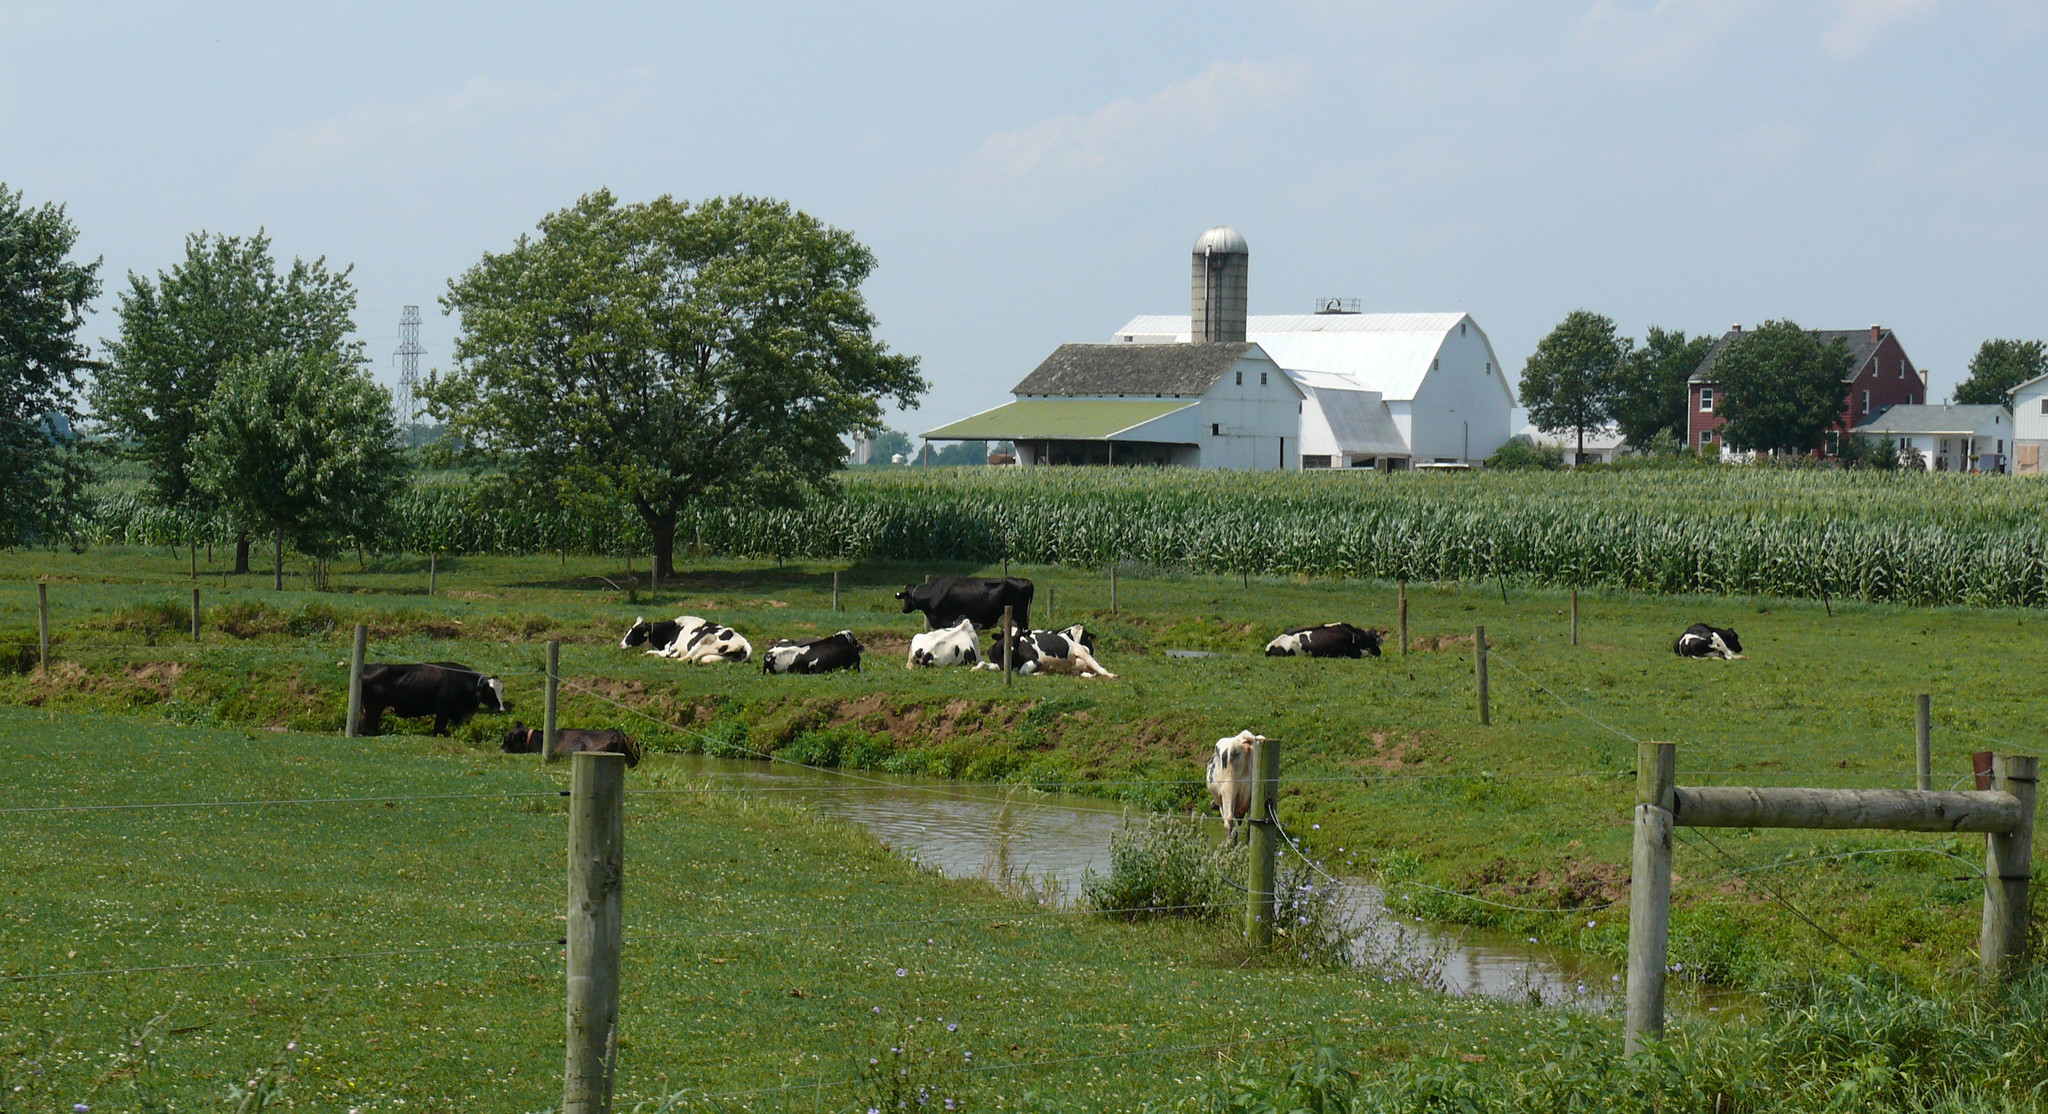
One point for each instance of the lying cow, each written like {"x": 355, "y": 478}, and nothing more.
{"x": 813, "y": 655}
{"x": 1703, "y": 641}
{"x": 688, "y": 638}
{"x": 946, "y": 600}
{"x": 1331, "y": 640}
{"x": 952, "y": 646}
{"x": 449, "y": 692}
{"x": 1044, "y": 651}
{"x": 569, "y": 740}
{"x": 1231, "y": 779}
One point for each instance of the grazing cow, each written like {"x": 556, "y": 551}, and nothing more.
{"x": 569, "y": 740}
{"x": 813, "y": 655}
{"x": 1703, "y": 641}
{"x": 952, "y": 646}
{"x": 1331, "y": 640}
{"x": 1043, "y": 651}
{"x": 449, "y": 692}
{"x": 946, "y": 600}
{"x": 1231, "y": 780}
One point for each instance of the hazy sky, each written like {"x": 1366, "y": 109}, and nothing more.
{"x": 1035, "y": 173}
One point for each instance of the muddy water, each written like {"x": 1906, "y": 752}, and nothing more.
{"x": 969, "y": 831}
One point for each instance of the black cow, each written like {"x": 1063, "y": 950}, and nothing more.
{"x": 1703, "y": 641}
{"x": 946, "y": 600}
{"x": 568, "y": 740}
{"x": 448, "y": 691}
{"x": 1331, "y": 640}
{"x": 813, "y": 655}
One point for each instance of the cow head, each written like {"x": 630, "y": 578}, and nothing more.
{"x": 519, "y": 740}
{"x": 637, "y": 633}
{"x": 909, "y": 605}
{"x": 490, "y": 696}
{"x": 1370, "y": 642}
{"x": 1729, "y": 640}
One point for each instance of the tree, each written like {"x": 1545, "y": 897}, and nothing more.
{"x": 1781, "y": 388}
{"x": 226, "y": 302}
{"x": 1998, "y": 367}
{"x": 303, "y": 447}
{"x": 43, "y": 296}
{"x": 1650, "y": 386}
{"x": 887, "y": 445}
{"x": 665, "y": 355}
{"x": 958, "y": 453}
{"x": 1568, "y": 382}
{"x": 1517, "y": 455}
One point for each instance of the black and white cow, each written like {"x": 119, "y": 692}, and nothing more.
{"x": 951, "y": 646}
{"x": 1043, "y": 651}
{"x": 1331, "y": 640}
{"x": 946, "y": 600}
{"x": 449, "y": 692}
{"x": 1230, "y": 779}
{"x": 570, "y": 740}
{"x": 688, "y": 638}
{"x": 656, "y": 636}
{"x": 813, "y": 655}
{"x": 1703, "y": 641}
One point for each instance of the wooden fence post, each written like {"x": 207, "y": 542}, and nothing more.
{"x": 43, "y": 620}
{"x": 1048, "y": 608}
{"x": 596, "y": 917}
{"x": 547, "y": 721}
{"x": 195, "y": 614}
{"x": 1404, "y": 618}
{"x": 1112, "y": 589}
{"x": 1575, "y": 616}
{"x": 835, "y": 589}
{"x": 357, "y": 648}
{"x": 433, "y": 572}
{"x": 1009, "y": 636}
{"x": 1265, "y": 843}
{"x": 1479, "y": 669}
{"x": 2008, "y": 866}
{"x": 1923, "y": 744}
{"x": 1006, "y": 567}
{"x": 1649, "y": 893}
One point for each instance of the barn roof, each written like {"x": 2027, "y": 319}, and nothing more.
{"x": 1385, "y": 352}
{"x": 1132, "y": 369}
{"x": 1061, "y": 419}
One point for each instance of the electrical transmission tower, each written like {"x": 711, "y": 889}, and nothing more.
{"x": 408, "y": 357}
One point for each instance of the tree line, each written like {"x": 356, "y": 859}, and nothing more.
{"x": 661, "y": 355}
{"x": 1778, "y": 386}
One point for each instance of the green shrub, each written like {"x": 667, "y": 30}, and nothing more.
{"x": 1162, "y": 866}
{"x": 1517, "y": 456}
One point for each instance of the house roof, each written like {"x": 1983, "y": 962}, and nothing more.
{"x": 1359, "y": 420}
{"x": 1952, "y": 420}
{"x": 1858, "y": 341}
{"x": 1385, "y": 352}
{"x": 1060, "y": 419}
{"x": 1133, "y": 369}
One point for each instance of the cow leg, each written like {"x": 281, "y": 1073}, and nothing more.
{"x": 440, "y": 723}
{"x": 1088, "y": 664}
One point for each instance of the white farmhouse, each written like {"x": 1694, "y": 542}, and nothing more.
{"x": 2029, "y": 425}
{"x": 1948, "y": 438}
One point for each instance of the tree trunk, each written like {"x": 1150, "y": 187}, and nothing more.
{"x": 1581, "y": 457}
{"x": 664, "y": 531}
{"x": 277, "y": 568}
{"x": 241, "y": 554}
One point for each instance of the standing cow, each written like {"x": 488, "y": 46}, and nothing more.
{"x": 1231, "y": 779}
{"x": 946, "y": 600}
{"x": 450, "y": 692}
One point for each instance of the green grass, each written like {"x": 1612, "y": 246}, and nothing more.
{"x": 1388, "y": 772}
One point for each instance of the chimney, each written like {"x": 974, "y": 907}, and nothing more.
{"x": 1221, "y": 264}
{"x": 1735, "y": 328}
{"x": 1876, "y": 333}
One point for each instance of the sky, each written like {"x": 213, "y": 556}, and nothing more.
{"x": 1033, "y": 174}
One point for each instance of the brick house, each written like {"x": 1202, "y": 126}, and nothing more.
{"x": 1881, "y": 375}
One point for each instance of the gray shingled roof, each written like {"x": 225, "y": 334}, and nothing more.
{"x": 1856, "y": 340}
{"x": 1132, "y": 369}
{"x": 1933, "y": 419}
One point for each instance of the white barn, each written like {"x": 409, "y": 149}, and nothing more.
{"x": 2030, "y": 426}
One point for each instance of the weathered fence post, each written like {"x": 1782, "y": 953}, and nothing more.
{"x": 1923, "y": 744}
{"x": 1112, "y": 589}
{"x": 1575, "y": 616}
{"x": 1265, "y": 843}
{"x": 596, "y": 917}
{"x": 1649, "y": 893}
{"x": 1479, "y": 669}
{"x": 1048, "y": 608}
{"x": 1404, "y": 618}
{"x": 357, "y": 648}
{"x": 547, "y": 720}
{"x": 433, "y": 572}
{"x": 195, "y": 614}
{"x": 2008, "y": 866}
{"x": 835, "y": 589}
{"x": 1006, "y": 567}
{"x": 43, "y": 620}
{"x": 1009, "y": 637}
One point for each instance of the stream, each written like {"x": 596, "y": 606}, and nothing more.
{"x": 963, "y": 831}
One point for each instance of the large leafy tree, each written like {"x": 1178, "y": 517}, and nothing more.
{"x": 43, "y": 297}
{"x": 301, "y": 447}
{"x": 1998, "y": 367}
{"x": 1649, "y": 396}
{"x": 669, "y": 354}
{"x": 1781, "y": 388}
{"x": 226, "y": 302}
{"x": 1568, "y": 383}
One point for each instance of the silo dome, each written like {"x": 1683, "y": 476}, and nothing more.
{"x": 1222, "y": 240}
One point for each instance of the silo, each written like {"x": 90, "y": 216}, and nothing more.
{"x": 1222, "y": 264}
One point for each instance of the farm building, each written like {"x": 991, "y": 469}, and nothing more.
{"x": 1947, "y": 438}
{"x": 2029, "y": 425}
{"x": 1880, "y": 375}
{"x": 1603, "y": 445}
{"x": 1333, "y": 389}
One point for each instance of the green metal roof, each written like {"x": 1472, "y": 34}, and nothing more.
{"x": 1056, "y": 419}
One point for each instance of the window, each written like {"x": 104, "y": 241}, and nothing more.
{"x": 2044, "y": 406}
{"x": 1461, "y": 328}
{"x": 1706, "y": 439}
{"x": 2001, "y": 446}
{"x": 1434, "y": 364}
{"x": 1315, "y": 461}
{"x": 1866, "y": 402}
{"x": 1489, "y": 367}
{"x": 1706, "y": 400}
{"x": 1240, "y": 379}
{"x": 1262, "y": 379}
{"x": 1944, "y": 446}
{"x": 1215, "y": 429}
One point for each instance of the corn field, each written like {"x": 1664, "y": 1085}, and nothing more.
{"x": 1916, "y": 539}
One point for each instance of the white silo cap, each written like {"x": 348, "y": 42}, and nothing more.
{"x": 1222, "y": 240}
